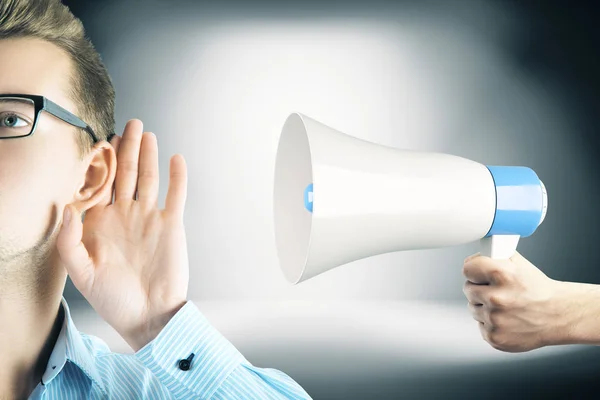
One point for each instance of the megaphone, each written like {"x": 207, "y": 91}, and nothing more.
{"x": 338, "y": 199}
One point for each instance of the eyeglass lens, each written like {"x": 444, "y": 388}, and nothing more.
{"x": 17, "y": 116}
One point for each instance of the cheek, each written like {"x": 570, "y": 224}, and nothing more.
{"x": 34, "y": 186}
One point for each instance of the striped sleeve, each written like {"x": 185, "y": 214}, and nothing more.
{"x": 217, "y": 370}
{"x": 249, "y": 382}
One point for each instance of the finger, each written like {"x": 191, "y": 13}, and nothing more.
{"x": 485, "y": 330}
{"x": 108, "y": 199}
{"x": 148, "y": 177}
{"x": 473, "y": 271}
{"x": 485, "y": 270}
{"x": 478, "y": 312}
{"x": 472, "y": 256}
{"x": 116, "y": 142}
{"x": 475, "y": 293}
{"x": 127, "y": 161}
{"x": 177, "y": 192}
{"x": 72, "y": 251}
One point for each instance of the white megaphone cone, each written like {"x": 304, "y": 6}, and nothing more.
{"x": 338, "y": 199}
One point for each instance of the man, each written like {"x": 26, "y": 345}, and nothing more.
{"x": 58, "y": 164}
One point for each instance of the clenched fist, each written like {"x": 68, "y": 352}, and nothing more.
{"x": 517, "y": 306}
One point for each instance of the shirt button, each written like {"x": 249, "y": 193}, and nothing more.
{"x": 185, "y": 363}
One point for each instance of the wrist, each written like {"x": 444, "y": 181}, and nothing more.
{"x": 151, "y": 327}
{"x": 578, "y": 306}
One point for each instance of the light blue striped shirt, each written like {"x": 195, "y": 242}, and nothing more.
{"x": 82, "y": 366}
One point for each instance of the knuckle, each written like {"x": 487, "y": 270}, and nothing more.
{"x": 496, "y": 346}
{"x": 494, "y": 300}
{"x": 495, "y": 318}
{"x": 494, "y": 338}
{"x": 501, "y": 341}
{"x": 178, "y": 175}
{"x": 498, "y": 300}
{"x": 497, "y": 274}
{"x": 148, "y": 174}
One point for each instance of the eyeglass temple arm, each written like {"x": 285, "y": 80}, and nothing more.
{"x": 68, "y": 117}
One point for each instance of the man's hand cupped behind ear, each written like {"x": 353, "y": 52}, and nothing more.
{"x": 128, "y": 258}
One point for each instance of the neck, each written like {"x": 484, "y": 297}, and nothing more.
{"x": 31, "y": 289}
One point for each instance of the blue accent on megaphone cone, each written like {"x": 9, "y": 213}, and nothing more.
{"x": 308, "y": 197}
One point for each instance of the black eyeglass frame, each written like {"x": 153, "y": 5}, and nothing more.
{"x": 42, "y": 103}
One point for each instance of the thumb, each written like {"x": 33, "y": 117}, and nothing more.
{"x": 523, "y": 263}
{"x": 72, "y": 251}
{"x": 518, "y": 259}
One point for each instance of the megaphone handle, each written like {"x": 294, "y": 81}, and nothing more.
{"x": 499, "y": 247}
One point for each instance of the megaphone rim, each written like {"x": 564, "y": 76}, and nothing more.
{"x": 294, "y": 277}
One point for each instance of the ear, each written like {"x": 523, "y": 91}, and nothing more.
{"x": 97, "y": 186}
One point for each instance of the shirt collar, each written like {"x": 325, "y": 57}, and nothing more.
{"x": 70, "y": 346}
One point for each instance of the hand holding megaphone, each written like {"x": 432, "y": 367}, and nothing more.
{"x": 517, "y": 306}
{"x": 338, "y": 199}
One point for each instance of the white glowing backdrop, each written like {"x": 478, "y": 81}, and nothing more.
{"x": 218, "y": 90}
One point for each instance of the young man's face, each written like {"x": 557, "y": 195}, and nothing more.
{"x": 41, "y": 173}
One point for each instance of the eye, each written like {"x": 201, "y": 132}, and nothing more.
{"x": 12, "y": 121}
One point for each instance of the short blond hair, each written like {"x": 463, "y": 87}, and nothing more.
{"x": 91, "y": 87}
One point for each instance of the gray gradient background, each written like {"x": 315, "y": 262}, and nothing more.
{"x": 499, "y": 82}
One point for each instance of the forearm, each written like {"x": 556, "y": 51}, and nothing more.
{"x": 580, "y": 321}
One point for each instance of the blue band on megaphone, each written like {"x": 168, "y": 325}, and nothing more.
{"x": 519, "y": 201}
{"x": 308, "y": 197}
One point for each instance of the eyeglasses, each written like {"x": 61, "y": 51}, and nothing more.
{"x": 19, "y": 115}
